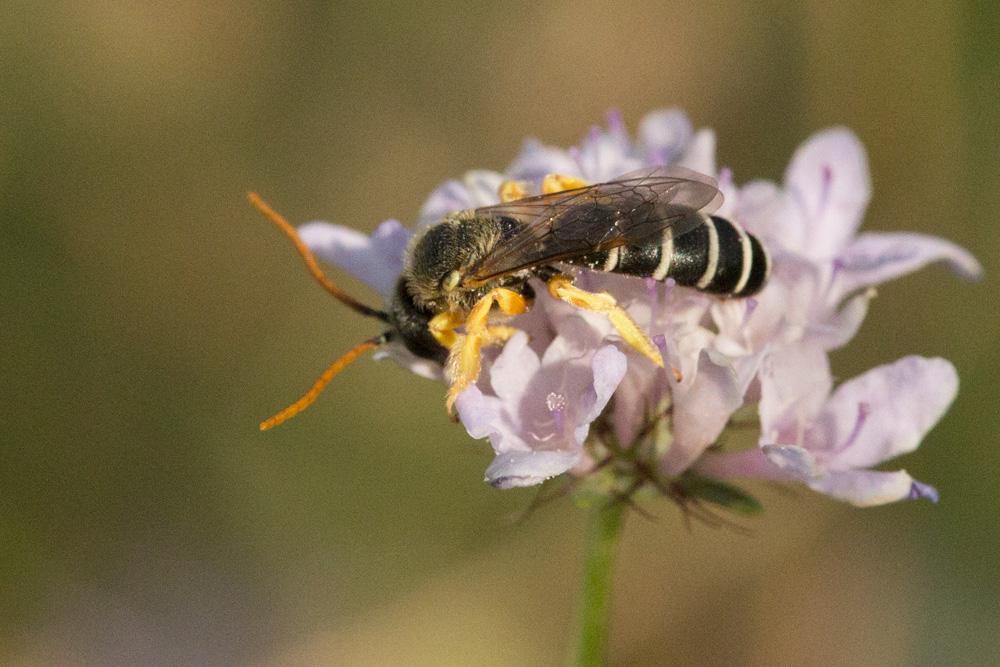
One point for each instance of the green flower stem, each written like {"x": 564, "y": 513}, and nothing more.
{"x": 605, "y": 526}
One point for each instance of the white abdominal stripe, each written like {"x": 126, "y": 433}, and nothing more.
{"x": 717, "y": 256}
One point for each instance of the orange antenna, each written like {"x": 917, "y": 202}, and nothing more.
{"x": 310, "y": 259}
{"x": 320, "y": 384}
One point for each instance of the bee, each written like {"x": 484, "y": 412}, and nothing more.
{"x": 465, "y": 274}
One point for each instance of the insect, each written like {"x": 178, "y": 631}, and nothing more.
{"x": 463, "y": 275}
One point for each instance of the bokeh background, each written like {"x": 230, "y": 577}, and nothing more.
{"x": 151, "y": 318}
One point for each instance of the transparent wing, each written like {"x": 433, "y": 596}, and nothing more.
{"x": 573, "y": 223}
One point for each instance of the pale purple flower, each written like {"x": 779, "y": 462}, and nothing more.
{"x": 375, "y": 260}
{"x": 815, "y": 301}
{"x": 708, "y": 393}
{"x": 477, "y": 188}
{"x": 830, "y": 440}
{"x": 540, "y": 410}
{"x": 822, "y": 269}
{"x": 538, "y": 397}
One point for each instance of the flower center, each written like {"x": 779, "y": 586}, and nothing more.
{"x": 556, "y": 405}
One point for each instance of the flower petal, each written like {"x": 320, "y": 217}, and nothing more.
{"x": 536, "y": 160}
{"x": 604, "y": 156}
{"x": 541, "y": 415}
{"x": 702, "y": 411}
{"x": 922, "y": 490}
{"x": 868, "y": 488}
{"x": 765, "y": 211}
{"x": 637, "y": 394}
{"x": 376, "y": 260}
{"x": 745, "y": 464}
{"x": 608, "y": 365}
{"x": 875, "y": 258}
{"x": 700, "y": 153}
{"x": 664, "y": 135}
{"x": 515, "y": 469}
{"x": 829, "y": 180}
{"x": 887, "y": 411}
{"x": 479, "y": 187}
{"x": 795, "y": 381}
{"x": 843, "y": 322}
{"x": 513, "y": 370}
{"x": 795, "y": 461}
{"x": 483, "y": 186}
{"x": 446, "y": 198}
{"x": 478, "y": 412}
{"x": 411, "y": 362}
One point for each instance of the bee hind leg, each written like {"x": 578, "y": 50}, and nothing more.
{"x": 463, "y": 364}
{"x": 562, "y": 288}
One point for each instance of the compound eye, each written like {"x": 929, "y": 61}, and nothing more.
{"x": 451, "y": 281}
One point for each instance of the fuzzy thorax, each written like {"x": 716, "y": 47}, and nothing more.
{"x": 454, "y": 244}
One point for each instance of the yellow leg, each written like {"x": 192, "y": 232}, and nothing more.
{"x": 464, "y": 362}
{"x": 562, "y": 287}
{"x": 511, "y": 191}
{"x": 442, "y": 326}
{"x": 558, "y": 182}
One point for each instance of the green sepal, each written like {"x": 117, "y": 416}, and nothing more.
{"x": 719, "y": 493}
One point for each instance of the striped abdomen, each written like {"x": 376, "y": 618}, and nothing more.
{"x": 717, "y": 257}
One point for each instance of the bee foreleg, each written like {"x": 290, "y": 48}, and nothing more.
{"x": 442, "y": 326}
{"x": 464, "y": 360}
{"x": 562, "y": 288}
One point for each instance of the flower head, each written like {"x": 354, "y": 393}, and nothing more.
{"x": 540, "y": 398}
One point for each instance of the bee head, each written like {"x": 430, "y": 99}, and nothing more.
{"x": 437, "y": 260}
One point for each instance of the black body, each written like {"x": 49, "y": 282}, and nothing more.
{"x": 715, "y": 256}
{"x": 410, "y": 324}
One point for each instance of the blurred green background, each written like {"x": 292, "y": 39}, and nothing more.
{"x": 151, "y": 319}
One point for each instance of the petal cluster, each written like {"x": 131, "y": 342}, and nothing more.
{"x": 539, "y": 398}
{"x": 539, "y": 411}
